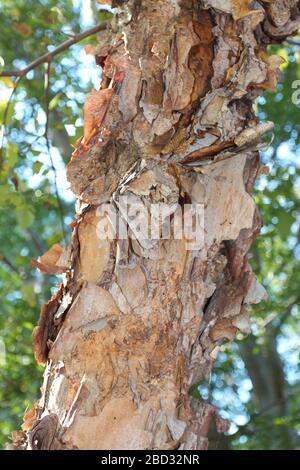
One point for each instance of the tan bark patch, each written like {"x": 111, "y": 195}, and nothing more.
{"x": 93, "y": 261}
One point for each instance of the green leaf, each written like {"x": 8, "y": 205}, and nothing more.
{"x": 55, "y": 238}
{"x": 57, "y": 14}
{"x": 104, "y": 15}
{"x": 278, "y": 421}
{"x": 28, "y": 325}
{"x": 11, "y": 154}
{"x": 24, "y": 216}
{"x": 6, "y": 81}
{"x": 54, "y": 102}
{"x": 283, "y": 53}
{"x": 286, "y": 219}
{"x": 36, "y": 167}
{"x": 195, "y": 392}
{"x": 5, "y": 190}
{"x": 9, "y": 115}
{"x": 28, "y": 294}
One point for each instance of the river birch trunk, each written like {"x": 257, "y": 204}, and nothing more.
{"x": 138, "y": 321}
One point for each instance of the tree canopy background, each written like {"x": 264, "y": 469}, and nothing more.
{"x": 256, "y": 381}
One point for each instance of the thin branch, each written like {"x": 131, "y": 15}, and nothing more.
{"x": 47, "y": 100}
{"x": 7, "y": 262}
{"x": 279, "y": 321}
{"x": 293, "y": 42}
{"x": 38, "y": 243}
{"x": 243, "y": 429}
{"x": 48, "y": 57}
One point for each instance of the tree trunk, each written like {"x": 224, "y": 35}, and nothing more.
{"x": 138, "y": 321}
{"x": 266, "y": 372}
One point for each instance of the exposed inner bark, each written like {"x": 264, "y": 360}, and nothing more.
{"x": 137, "y": 322}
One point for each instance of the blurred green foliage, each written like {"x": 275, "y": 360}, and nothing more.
{"x": 31, "y": 222}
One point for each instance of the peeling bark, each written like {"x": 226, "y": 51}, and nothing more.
{"x": 137, "y": 322}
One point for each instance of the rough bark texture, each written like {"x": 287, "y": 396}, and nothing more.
{"x": 136, "y": 323}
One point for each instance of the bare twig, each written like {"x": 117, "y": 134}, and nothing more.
{"x": 8, "y": 263}
{"x": 47, "y": 100}
{"x": 48, "y": 57}
{"x": 244, "y": 429}
{"x": 293, "y": 42}
{"x": 38, "y": 243}
{"x": 278, "y": 322}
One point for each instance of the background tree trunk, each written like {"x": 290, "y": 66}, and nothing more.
{"x": 137, "y": 322}
{"x": 266, "y": 372}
